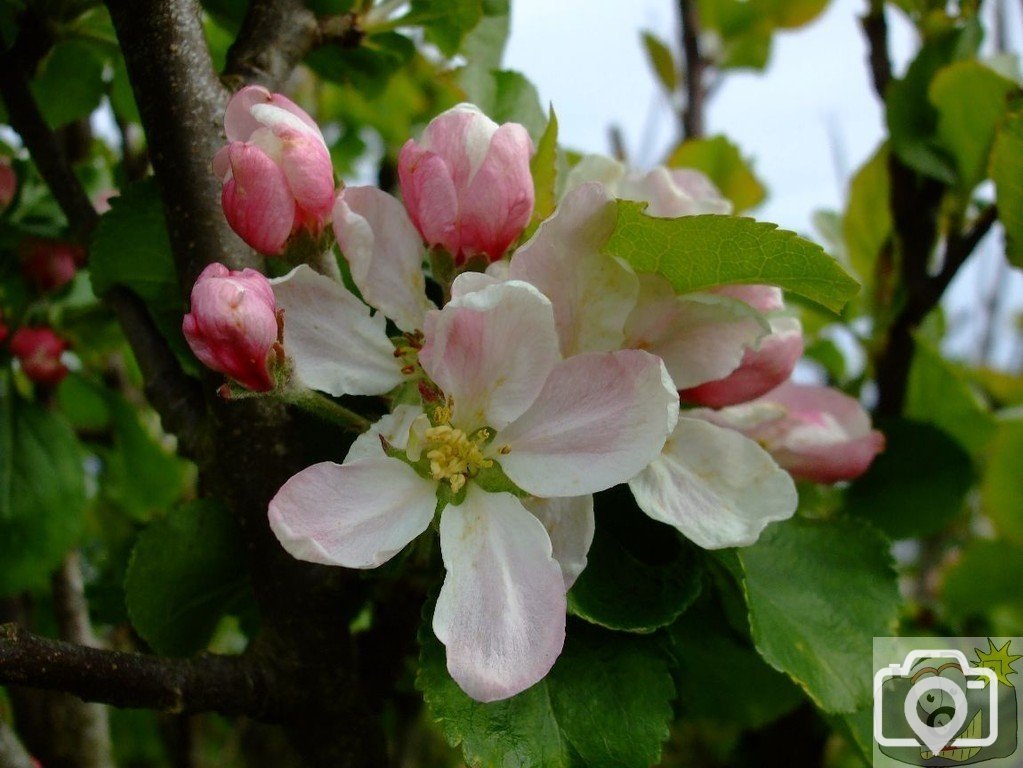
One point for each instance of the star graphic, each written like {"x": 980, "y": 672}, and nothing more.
{"x": 998, "y": 660}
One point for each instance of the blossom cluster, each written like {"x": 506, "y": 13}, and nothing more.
{"x": 551, "y": 372}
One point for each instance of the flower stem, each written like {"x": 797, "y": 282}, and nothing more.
{"x": 326, "y": 409}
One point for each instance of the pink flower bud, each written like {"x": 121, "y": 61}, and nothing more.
{"x": 4, "y": 330}
{"x": 816, "y": 433}
{"x": 39, "y": 350}
{"x": 467, "y": 184}
{"x": 761, "y": 369}
{"x": 8, "y": 183}
{"x": 50, "y": 264}
{"x": 233, "y": 325}
{"x": 276, "y": 170}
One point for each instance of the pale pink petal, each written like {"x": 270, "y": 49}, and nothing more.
{"x": 460, "y": 136}
{"x": 256, "y": 199}
{"x": 599, "y": 419}
{"x": 846, "y": 410}
{"x": 430, "y": 196}
{"x": 331, "y": 339}
{"x": 393, "y": 427}
{"x": 667, "y": 198}
{"x": 592, "y": 293}
{"x": 831, "y": 462}
{"x": 763, "y": 298}
{"x": 595, "y": 168}
{"x": 717, "y": 487}
{"x": 491, "y": 351}
{"x": 700, "y": 337}
{"x": 357, "y": 515}
{"x": 306, "y": 164}
{"x": 497, "y": 203}
{"x": 254, "y": 107}
{"x": 470, "y": 282}
{"x": 384, "y": 252}
{"x": 569, "y": 523}
{"x": 761, "y": 369}
{"x": 501, "y": 611}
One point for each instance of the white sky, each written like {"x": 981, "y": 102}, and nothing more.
{"x": 808, "y": 121}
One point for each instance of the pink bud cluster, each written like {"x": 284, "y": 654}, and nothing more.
{"x": 39, "y": 352}
{"x": 50, "y": 264}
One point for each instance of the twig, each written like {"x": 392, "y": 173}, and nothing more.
{"x": 276, "y": 35}
{"x": 875, "y": 27}
{"x": 231, "y": 685}
{"x": 87, "y": 730}
{"x": 696, "y": 91}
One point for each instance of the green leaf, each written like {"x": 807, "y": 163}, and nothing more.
{"x": 1007, "y": 173}
{"x": 83, "y": 403}
{"x": 187, "y": 570}
{"x": 484, "y": 46}
{"x": 639, "y": 575}
{"x": 721, "y": 678}
{"x": 744, "y": 28}
{"x": 544, "y": 169}
{"x": 446, "y": 22}
{"x": 697, "y": 252}
{"x": 70, "y": 84}
{"x": 970, "y": 99}
{"x": 917, "y": 485}
{"x": 368, "y": 67}
{"x": 1002, "y": 488}
{"x": 939, "y": 393}
{"x": 42, "y": 492}
{"x": 662, "y": 62}
{"x": 867, "y": 223}
{"x": 606, "y": 702}
{"x": 791, "y": 14}
{"x": 984, "y": 585}
{"x": 818, "y": 591}
{"x": 131, "y": 248}
{"x": 912, "y": 118}
{"x": 506, "y": 97}
{"x": 721, "y": 160}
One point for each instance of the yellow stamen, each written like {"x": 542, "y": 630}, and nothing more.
{"x": 453, "y": 455}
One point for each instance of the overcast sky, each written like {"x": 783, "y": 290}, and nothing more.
{"x": 808, "y": 122}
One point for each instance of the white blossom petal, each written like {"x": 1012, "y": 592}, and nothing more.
{"x": 331, "y": 339}
{"x": 570, "y": 524}
{"x": 600, "y": 418}
{"x": 385, "y": 253}
{"x": 501, "y": 611}
{"x": 491, "y": 351}
{"x": 394, "y": 427}
{"x": 719, "y": 488}
{"x": 356, "y": 515}
{"x": 701, "y": 337}
{"x": 592, "y": 293}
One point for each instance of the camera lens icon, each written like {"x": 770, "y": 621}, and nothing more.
{"x": 944, "y": 709}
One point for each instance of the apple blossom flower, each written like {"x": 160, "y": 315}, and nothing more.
{"x": 233, "y": 325}
{"x": 39, "y": 352}
{"x": 8, "y": 183}
{"x": 510, "y": 418}
{"x": 467, "y": 184}
{"x": 50, "y": 264}
{"x": 718, "y": 488}
{"x": 762, "y": 368}
{"x": 816, "y": 433}
{"x": 276, "y": 170}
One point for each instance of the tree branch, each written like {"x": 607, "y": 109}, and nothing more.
{"x": 231, "y": 685}
{"x": 693, "y": 121}
{"x": 276, "y": 35}
{"x": 875, "y": 28}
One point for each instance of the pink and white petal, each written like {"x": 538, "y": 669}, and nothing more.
{"x": 760, "y": 371}
{"x": 595, "y": 168}
{"x": 846, "y": 410}
{"x": 700, "y": 337}
{"x": 385, "y": 253}
{"x": 716, "y": 486}
{"x": 600, "y": 418}
{"x": 356, "y": 515}
{"x": 470, "y": 282}
{"x": 429, "y": 194}
{"x": 592, "y": 293}
{"x": 461, "y": 137}
{"x": 763, "y": 298}
{"x": 307, "y": 166}
{"x": 256, "y": 199}
{"x": 501, "y": 611}
{"x": 832, "y": 463}
{"x": 239, "y": 124}
{"x": 332, "y": 341}
{"x": 666, "y": 198}
{"x": 491, "y": 351}
{"x": 570, "y": 524}
{"x": 393, "y": 427}
{"x": 702, "y": 190}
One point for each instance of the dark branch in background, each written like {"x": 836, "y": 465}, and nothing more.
{"x": 693, "y": 122}
{"x": 174, "y": 395}
{"x": 276, "y": 35}
{"x": 875, "y": 27}
{"x": 231, "y": 685}
{"x": 89, "y": 731}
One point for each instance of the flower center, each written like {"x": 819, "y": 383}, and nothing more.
{"x": 454, "y": 456}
